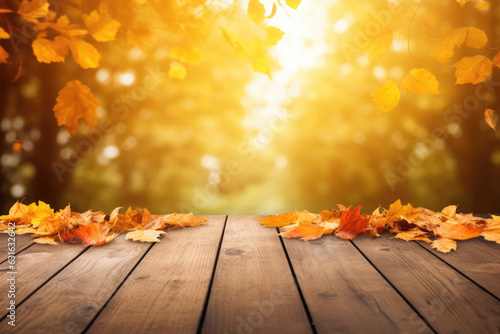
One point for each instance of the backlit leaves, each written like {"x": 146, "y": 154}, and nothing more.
{"x": 472, "y": 69}
{"x": 75, "y": 101}
{"x": 420, "y": 81}
{"x": 84, "y": 54}
{"x": 387, "y": 97}
{"x": 256, "y": 11}
{"x": 293, "y": 3}
{"x": 101, "y": 26}
{"x": 50, "y": 51}
{"x": 33, "y": 10}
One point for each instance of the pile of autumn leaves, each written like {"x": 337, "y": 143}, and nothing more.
{"x": 91, "y": 228}
{"x": 407, "y": 222}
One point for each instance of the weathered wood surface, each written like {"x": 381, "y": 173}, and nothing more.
{"x": 22, "y": 242}
{"x": 235, "y": 276}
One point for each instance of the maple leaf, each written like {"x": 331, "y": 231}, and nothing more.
{"x": 450, "y": 211}
{"x": 273, "y": 35}
{"x": 278, "y": 220}
{"x": 132, "y": 220}
{"x": 177, "y": 71}
{"x": 47, "y": 51}
{"x": 256, "y": 11}
{"x": 488, "y": 117}
{"x": 101, "y": 26}
{"x": 293, "y": 3}
{"x": 86, "y": 235}
{"x": 387, "y": 97}
{"x": 330, "y": 215}
{"x": 305, "y": 231}
{"x": 419, "y": 81}
{"x": 458, "y": 231}
{"x": 18, "y": 210}
{"x": 410, "y": 235}
{"x": 187, "y": 54}
{"x": 75, "y": 101}
{"x": 472, "y": 70}
{"x": 31, "y": 11}
{"x": 84, "y": 54}
{"x": 444, "y": 245}
{"x": 175, "y": 220}
{"x": 378, "y": 223}
{"x": 352, "y": 224}
{"x": 483, "y": 5}
{"x": 145, "y": 235}
{"x": 491, "y": 232}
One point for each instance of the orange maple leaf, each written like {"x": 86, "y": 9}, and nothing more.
{"x": 352, "y": 224}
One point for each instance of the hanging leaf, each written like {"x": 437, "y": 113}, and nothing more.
{"x": 101, "y": 26}
{"x": 472, "y": 70}
{"x": 387, "y": 97}
{"x": 488, "y": 117}
{"x": 420, "y": 81}
{"x": 256, "y": 11}
{"x": 47, "y": 51}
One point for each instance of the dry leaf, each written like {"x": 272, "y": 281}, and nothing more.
{"x": 444, "y": 245}
{"x": 75, "y": 101}
{"x": 352, "y": 224}
{"x": 305, "y": 231}
{"x": 86, "y": 235}
{"x": 279, "y": 220}
{"x": 145, "y": 235}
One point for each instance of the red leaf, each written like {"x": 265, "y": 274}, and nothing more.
{"x": 86, "y": 235}
{"x": 351, "y": 224}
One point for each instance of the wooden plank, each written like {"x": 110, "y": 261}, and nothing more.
{"x": 23, "y": 241}
{"x": 166, "y": 292}
{"x": 478, "y": 259}
{"x": 70, "y": 300}
{"x": 253, "y": 289}
{"x": 448, "y": 301}
{"x": 34, "y": 267}
{"x": 341, "y": 287}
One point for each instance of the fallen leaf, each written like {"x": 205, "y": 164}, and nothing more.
{"x": 86, "y": 235}
{"x": 75, "y": 101}
{"x": 46, "y": 241}
{"x": 279, "y": 220}
{"x": 305, "y": 231}
{"x": 444, "y": 245}
{"x": 472, "y": 69}
{"x": 488, "y": 117}
{"x": 387, "y": 97}
{"x": 352, "y": 224}
{"x": 145, "y": 235}
{"x": 458, "y": 231}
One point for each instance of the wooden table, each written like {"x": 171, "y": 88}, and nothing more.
{"x": 235, "y": 276}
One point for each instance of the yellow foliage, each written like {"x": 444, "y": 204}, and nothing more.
{"x": 472, "y": 69}
{"x": 387, "y": 97}
{"x": 420, "y": 81}
{"x": 47, "y": 51}
{"x": 177, "y": 71}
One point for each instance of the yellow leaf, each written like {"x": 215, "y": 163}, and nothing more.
{"x": 293, "y": 3}
{"x": 101, "y": 26}
{"x": 45, "y": 241}
{"x": 47, "y": 51}
{"x": 278, "y": 220}
{"x": 66, "y": 28}
{"x": 472, "y": 69}
{"x": 379, "y": 45}
{"x": 463, "y": 2}
{"x": 273, "y": 35}
{"x": 483, "y": 5}
{"x": 31, "y": 11}
{"x": 256, "y": 11}
{"x": 476, "y": 38}
{"x": 75, "y": 101}
{"x": 305, "y": 231}
{"x": 3, "y": 55}
{"x": 261, "y": 64}
{"x": 496, "y": 61}
{"x": 387, "y": 97}
{"x": 420, "y": 81}
{"x": 488, "y": 117}
{"x": 4, "y": 34}
{"x": 84, "y": 54}
{"x": 177, "y": 71}
{"x": 471, "y": 36}
{"x": 145, "y": 235}
{"x": 444, "y": 245}
{"x": 187, "y": 54}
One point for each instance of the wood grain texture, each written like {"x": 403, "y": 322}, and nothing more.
{"x": 253, "y": 289}
{"x": 478, "y": 259}
{"x": 448, "y": 301}
{"x": 69, "y": 301}
{"x": 34, "y": 267}
{"x": 341, "y": 288}
{"x": 23, "y": 241}
{"x": 166, "y": 292}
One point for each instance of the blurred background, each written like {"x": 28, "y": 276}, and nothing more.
{"x": 228, "y": 140}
